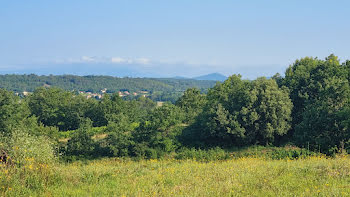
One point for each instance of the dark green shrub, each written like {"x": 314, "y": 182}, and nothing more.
{"x": 81, "y": 143}
{"x": 288, "y": 152}
{"x": 202, "y": 155}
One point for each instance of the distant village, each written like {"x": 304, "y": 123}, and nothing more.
{"x": 100, "y": 94}
{"x": 120, "y": 93}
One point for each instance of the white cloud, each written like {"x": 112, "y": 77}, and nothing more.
{"x": 143, "y": 61}
{"x": 87, "y": 59}
{"x": 117, "y": 60}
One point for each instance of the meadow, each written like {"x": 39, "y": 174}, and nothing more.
{"x": 313, "y": 176}
{"x": 279, "y": 136}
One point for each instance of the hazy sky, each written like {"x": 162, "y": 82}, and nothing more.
{"x": 249, "y": 37}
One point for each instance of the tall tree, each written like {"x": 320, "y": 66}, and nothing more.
{"x": 56, "y": 107}
{"x": 322, "y": 120}
{"x": 12, "y": 111}
{"x": 243, "y": 112}
{"x": 192, "y": 102}
{"x": 160, "y": 130}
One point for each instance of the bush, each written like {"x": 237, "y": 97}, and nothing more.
{"x": 29, "y": 164}
{"x": 203, "y": 155}
{"x": 151, "y": 153}
{"x": 24, "y": 149}
{"x": 159, "y": 134}
{"x": 118, "y": 143}
{"x": 81, "y": 144}
{"x": 93, "y": 131}
{"x": 287, "y": 152}
{"x": 217, "y": 153}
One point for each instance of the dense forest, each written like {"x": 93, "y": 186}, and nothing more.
{"x": 158, "y": 89}
{"x": 20, "y": 83}
{"x": 307, "y": 107}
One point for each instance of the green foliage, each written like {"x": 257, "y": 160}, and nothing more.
{"x": 192, "y": 103}
{"x": 24, "y": 149}
{"x": 246, "y": 112}
{"x": 307, "y": 78}
{"x": 115, "y": 109}
{"x": 12, "y": 111}
{"x": 271, "y": 111}
{"x": 167, "y": 89}
{"x": 15, "y": 115}
{"x": 159, "y": 132}
{"x": 93, "y": 131}
{"x": 56, "y": 107}
{"x": 34, "y": 128}
{"x": 270, "y": 152}
{"x": 81, "y": 143}
{"x": 212, "y": 154}
{"x": 320, "y": 91}
{"x": 225, "y": 124}
{"x": 118, "y": 141}
{"x": 97, "y": 111}
{"x": 308, "y": 107}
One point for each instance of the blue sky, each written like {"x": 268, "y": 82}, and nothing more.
{"x": 179, "y": 37}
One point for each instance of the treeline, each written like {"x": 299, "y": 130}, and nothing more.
{"x": 20, "y": 83}
{"x": 308, "y": 107}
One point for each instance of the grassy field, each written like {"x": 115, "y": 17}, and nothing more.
{"x": 239, "y": 177}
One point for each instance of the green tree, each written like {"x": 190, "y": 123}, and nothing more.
{"x": 324, "y": 121}
{"x": 119, "y": 141}
{"x": 192, "y": 102}
{"x": 306, "y": 78}
{"x": 160, "y": 131}
{"x": 271, "y": 111}
{"x": 81, "y": 143}
{"x": 241, "y": 112}
{"x": 12, "y": 111}
{"x": 56, "y": 107}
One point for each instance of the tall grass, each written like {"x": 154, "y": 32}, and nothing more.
{"x": 26, "y": 167}
{"x": 313, "y": 176}
{"x": 214, "y": 154}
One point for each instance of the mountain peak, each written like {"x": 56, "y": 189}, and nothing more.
{"x": 212, "y": 76}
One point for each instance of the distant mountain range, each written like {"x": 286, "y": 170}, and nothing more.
{"x": 210, "y": 77}
{"x": 118, "y": 70}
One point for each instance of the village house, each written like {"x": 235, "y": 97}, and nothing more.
{"x": 103, "y": 91}
{"x": 25, "y": 93}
